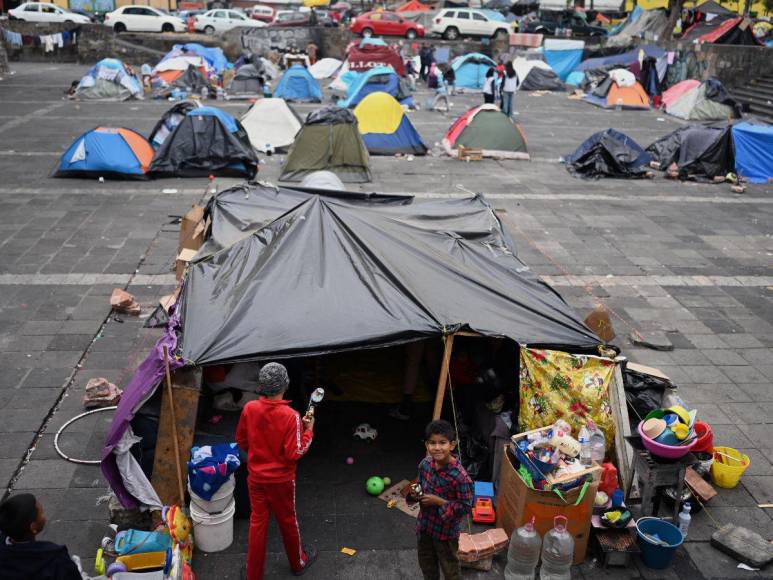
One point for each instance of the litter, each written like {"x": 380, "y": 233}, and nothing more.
{"x": 348, "y": 551}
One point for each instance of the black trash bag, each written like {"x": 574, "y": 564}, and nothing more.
{"x": 644, "y": 393}
{"x": 473, "y": 450}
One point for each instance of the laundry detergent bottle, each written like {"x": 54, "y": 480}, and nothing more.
{"x": 523, "y": 553}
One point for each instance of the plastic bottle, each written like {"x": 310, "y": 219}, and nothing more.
{"x": 585, "y": 451}
{"x": 204, "y": 93}
{"x": 598, "y": 443}
{"x": 685, "y": 518}
{"x": 523, "y": 553}
{"x": 557, "y": 552}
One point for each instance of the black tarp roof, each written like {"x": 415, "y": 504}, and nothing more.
{"x": 334, "y": 273}
{"x": 608, "y": 153}
{"x": 700, "y": 152}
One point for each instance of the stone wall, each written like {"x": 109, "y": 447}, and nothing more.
{"x": 733, "y": 65}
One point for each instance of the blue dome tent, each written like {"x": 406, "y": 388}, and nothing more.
{"x": 470, "y": 70}
{"x": 385, "y": 127}
{"x": 297, "y": 84}
{"x": 381, "y": 79}
{"x": 114, "y": 153}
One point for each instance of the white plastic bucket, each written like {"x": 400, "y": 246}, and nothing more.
{"x": 213, "y": 532}
{"x": 220, "y": 500}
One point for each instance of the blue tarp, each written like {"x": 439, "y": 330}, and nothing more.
{"x": 754, "y": 151}
{"x": 470, "y": 70}
{"x": 227, "y": 120}
{"x": 382, "y": 79}
{"x": 99, "y": 153}
{"x": 632, "y": 17}
{"x": 625, "y": 59}
{"x": 575, "y": 78}
{"x": 214, "y": 56}
{"x": 297, "y": 84}
{"x": 563, "y": 62}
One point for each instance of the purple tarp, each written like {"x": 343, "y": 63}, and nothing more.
{"x": 147, "y": 376}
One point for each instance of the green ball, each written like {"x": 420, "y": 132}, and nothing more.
{"x": 374, "y": 485}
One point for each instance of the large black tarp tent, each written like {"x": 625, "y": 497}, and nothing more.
{"x": 700, "y": 152}
{"x": 608, "y": 153}
{"x": 328, "y": 272}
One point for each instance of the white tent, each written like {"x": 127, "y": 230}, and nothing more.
{"x": 271, "y": 124}
{"x": 523, "y": 66}
{"x": 325, "y": 68}
{"x": 181, "y": 63}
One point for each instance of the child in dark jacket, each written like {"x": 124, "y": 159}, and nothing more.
{"x": 22, "y": 557}
{"x": 445, "y": 498}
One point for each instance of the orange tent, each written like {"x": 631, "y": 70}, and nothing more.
{"x": 631, "y": 97}
{"x": 413, "y": 6}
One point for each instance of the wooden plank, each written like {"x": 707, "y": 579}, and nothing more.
{"x": 617, "y": 401}
{"x": 645, "y": 370}
{"x": 186, "y": 383}
{"x": 698, "y": 485}
{"x": 443, "y": 380}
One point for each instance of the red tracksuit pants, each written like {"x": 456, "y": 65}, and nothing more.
{"x": 277, "y": 499}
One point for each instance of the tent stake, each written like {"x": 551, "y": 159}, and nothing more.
{"x": 443, "y": 380}
{"x": 174, "y": 428}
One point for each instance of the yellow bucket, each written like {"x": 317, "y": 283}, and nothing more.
{"x": 728, "y": 466}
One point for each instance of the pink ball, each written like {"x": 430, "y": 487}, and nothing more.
{"x": 349, "y": 460}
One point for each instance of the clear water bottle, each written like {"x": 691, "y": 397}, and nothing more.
{"x": 204, "y": 93}
{"x": 598, "y": 443}
{"x": 557, "y": 552}
{"x": 585, "y": 450}
{"x": 685, "y": 518}
{"x": 523, "y": 553}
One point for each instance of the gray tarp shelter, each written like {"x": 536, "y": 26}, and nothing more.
{"x": 319, "y": 273}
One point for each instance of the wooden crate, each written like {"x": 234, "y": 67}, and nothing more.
{"x": 470, "y": 154}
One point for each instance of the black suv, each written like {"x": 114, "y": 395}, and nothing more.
{"x": 550, "y": 22}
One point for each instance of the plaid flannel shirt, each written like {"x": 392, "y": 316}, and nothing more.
{"x": 452, "y": 484}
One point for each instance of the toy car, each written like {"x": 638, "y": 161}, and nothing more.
{"x": 365, "y": 432}
{"x": 483, "y": 511}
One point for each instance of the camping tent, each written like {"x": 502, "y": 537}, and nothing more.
{"x": 700, "y": 152}
{"x": 611, "y": 93}
{"x": 705, "y": 102}
{"x": 170, "y": 69}
{"x": 608, "y": 153}
{"x": 536, "y": 75}
{"x": 271, "y": 123}
{"x": 207, "y": 141}
{"x": 673, "y": 93}
{"x": 329, "y": 140}
{"x": 213, "y": 56}
{"x": 723, "y": 29}
{"x": 109, "y": 80}
{"x": 191, "y": 81}
{"x": 563, "y": 55}
{"x": 488, "y": 129}
{"x": 247, "y": 83}
{"x": 646, "y": 24}
{"x": 107, "y": 152}
{"x": 385, "y": 127}
{"x": 169, "y": 121}
{"x": 297, "y": 84}
{"x": 325, "y": 68}
{"x": 470, "y": 70}
{"x": 753, "y": 145}
{"x": 390, "y": 274}
{"x": 363, "y": 56}
{"x": 381, "y": 79}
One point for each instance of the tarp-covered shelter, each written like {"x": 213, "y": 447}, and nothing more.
{"x": 608, "y": 153}
{"x": 170, "y": 69}
{"x": 700, "y": 152}
{"x": 329, "y": 140}
{"x": 213, "y": 56}
{"x": 470, "y": 70}
{"x": 394, "y": 270}
{"x": 109, "y": 80}
{"x": 723, "y": 29}
{"x": 382, "y": 79}
{"x": 247, "y": 83}
{"x": 711, "y": 7}
{"x": 361, "y": 57}
{"x": 113, "y": 153}
{"x": 169, "y": 121}
{"x": 207, "y": 141}
{"x": 297, "y": 84}
{"x": 191, "y": 81}
{"x": 487, "y": 128}
{"x": 385, "y": 127}
{"x": 536, "y": 75}
{"x": 707, "y": 101}
{"x": 271, "y": 124}
{"x": 753, "y": 144}
{"x": 643, "y": 24}
{"x": 563, "y": 55}
{"x": 325, "y": 68}
{"x": 610, "y": 94}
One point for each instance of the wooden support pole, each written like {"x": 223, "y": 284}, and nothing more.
{"x": 175, "y": 437}
{"x": 443, "y": 380}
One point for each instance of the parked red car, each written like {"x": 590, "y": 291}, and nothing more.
{"x": 385, "y": 24}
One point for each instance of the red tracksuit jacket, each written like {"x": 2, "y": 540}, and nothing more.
{"x": 272, "y": 434}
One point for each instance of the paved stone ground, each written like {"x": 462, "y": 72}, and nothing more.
{"x": 689, "y": 260}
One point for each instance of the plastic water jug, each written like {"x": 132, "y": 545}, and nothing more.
{"x": 557, "y": 552}
{"x": 523, "y": 553}
{"x": 598, "y": 442}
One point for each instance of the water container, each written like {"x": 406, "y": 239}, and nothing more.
{"x": 684, "y": 519}
{"x": 598, "y": 443}
{"x": 585, "y": 450}
{"x": 557, "y": 552}
{"x": 523, "y": 553}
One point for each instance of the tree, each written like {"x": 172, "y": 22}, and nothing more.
{"x": 674, "y": 12}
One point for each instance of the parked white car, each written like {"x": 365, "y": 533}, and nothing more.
{"x": 143, "y": 19}
{"x": 45, "y": 12}
{"x": 452, "y": 23}
{"x": 222, "y": 20}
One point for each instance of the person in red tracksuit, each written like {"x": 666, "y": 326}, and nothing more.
{"x": 274, "y": 437}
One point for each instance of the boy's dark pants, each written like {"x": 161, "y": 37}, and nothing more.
{"x": 434, "y": 553}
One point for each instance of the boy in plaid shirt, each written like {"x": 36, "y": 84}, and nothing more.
{"x": 446, "y": 497}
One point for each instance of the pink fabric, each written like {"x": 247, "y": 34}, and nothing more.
{"x": 671, "y": 95}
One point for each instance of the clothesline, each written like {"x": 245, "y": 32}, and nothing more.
{"x": 49, "y": 41}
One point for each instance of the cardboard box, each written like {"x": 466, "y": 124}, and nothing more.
{"x": 183, "y": 258}
{"x": 192, "y": 229}
{"x": 517, "y": 504}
